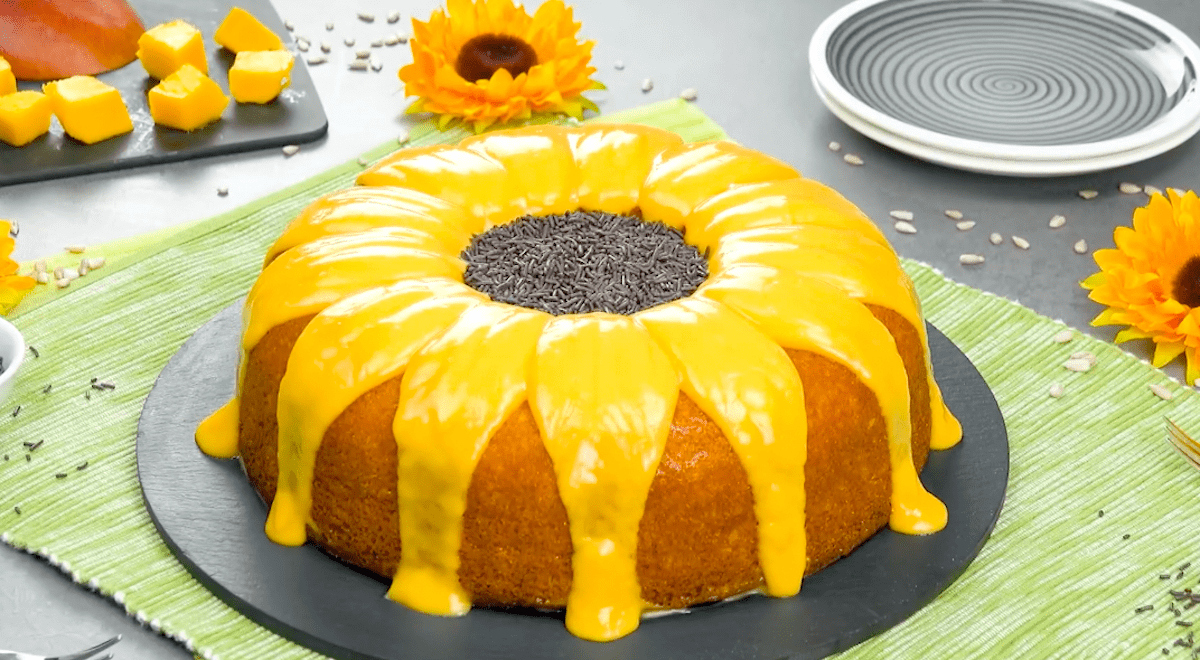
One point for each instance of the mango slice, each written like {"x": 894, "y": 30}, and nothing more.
{"x": 89, "y": 110}
{"x": 164, "y": 48}
{"x": 241, "y": 31}
{"x": 259, "y": 76}
{"x": 24, "y": 117}
{"x": 187, "y": 100}
{"x": 8, "y": 82}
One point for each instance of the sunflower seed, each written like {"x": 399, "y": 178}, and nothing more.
{"x": 964, "y": 225}
{"x": 905, "y": 227}
{"x": 1020, "y": 242}
{"x": 1077, "y": 364}
{"x": 835, "y": 146}
{"x": 349, "y": 41}
{"x": 853, "y": 159}
{"x": 1084, "y": 355}
{"x": 95, "y": 262}
{"x": 302, "y": 46}
{"x": 42, "y": 278}
{"x": 995, "y": 239}
{"x": 1152, "y": 190}
{"x": 62, "y": 283}
{"x": 291, "y": 150}
{"x": 1177, "y": 191}
{"x": 363, "y": 161}
{"x": 362, "y": 54}
{"x": 1088, "y": 194}
{"x": 358, "y": 65}
{"x": 901, "y": 215}
{"x": 1161, "y": 391}
{"x": 689, "y": 94}
{"x": 329, "y": 27}
{"x": 402, "y": 137}
{"x": 290, "y": 26}
{"x": 317, "y": 59}
{"x": 1058, "y": 221}
{"x": 401, "y": 38}
{"x": 75, "y": 249}
{"x": 40, "y": 266}
{"x": 392, "y": 17}
{"x": 365, "y": 17}
{"x": 647, "y": 85}
{"x": 954, "y": 214}
{"x": 60, "y": 272}
{"x": 619, "y": 65}
{"x": 970, "y": 259}
{"x": 326, "y": 47}
{"x": 1063, "y": 336}
{"x": 82, "y": 268}
{"x": 378, "y": 43}
{"x": 14, "y": 229}
{"x": 376, "y": 66}
{"x": 391, "y": 40}
{"x": 1129, "y": 188}
{"x": 1056, "y": 390}
{"x": 1081, "y": 246}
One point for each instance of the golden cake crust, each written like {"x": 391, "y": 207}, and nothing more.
{"x": 697, "y": 541}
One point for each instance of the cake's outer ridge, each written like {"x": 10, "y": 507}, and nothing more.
{"x": 788, "y": 280}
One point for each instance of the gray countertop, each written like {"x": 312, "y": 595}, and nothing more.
{"x": 750, "y": 68}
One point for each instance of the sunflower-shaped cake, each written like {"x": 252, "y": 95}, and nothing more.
{"x": 592, "y": 368}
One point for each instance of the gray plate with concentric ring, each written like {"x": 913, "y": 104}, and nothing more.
{"x": 1038, "y": 86}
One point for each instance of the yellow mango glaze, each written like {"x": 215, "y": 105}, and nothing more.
{"x": 792, "y": 266}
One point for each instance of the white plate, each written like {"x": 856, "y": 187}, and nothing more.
{"x": 1014, "y": 87}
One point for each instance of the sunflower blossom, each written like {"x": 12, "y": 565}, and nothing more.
{"x": 13, "y": 287}
{"x": 1151, "y": 281}
{"x": 488, "y": 61}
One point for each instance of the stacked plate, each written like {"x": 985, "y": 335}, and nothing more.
{"x": 1015, "y": 87}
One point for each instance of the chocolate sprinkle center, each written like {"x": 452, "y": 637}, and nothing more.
{"x": 584, "y": 261}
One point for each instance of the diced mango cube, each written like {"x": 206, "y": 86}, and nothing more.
{"x": 259, "y": 76}
{"x": 8, "y": 83}
{"x": 24, "y": 117}
{"x": 164, "y": 48}
{"x": 187, "y": 100}
{"x": 89, "y": 110}
{"x": 241, "y": 31}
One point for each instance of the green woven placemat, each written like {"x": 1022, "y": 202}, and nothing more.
{"x": 1057, "y": 579}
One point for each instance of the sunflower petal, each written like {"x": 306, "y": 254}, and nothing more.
{"x": 759, "y": 405}
{"x": 442, "y": 429}
{"x": 346, "y": 350}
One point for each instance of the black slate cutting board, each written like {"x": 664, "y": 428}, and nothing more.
{"x": 295, "y": 117}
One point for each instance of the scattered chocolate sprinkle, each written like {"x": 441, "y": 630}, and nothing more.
{"x": 17, "y": 510}
{"x": 1125, "y": 537}
{"x": 28, "y": 458}
{"x": 6, "y": 457}
{"x": 47, "y": 388}
{"x": 1164, "y": 576}
{"x": 584, "y": 261}
{"x": 1178, "y": 595}
{"x": 87, "y": 394}
{"x": 81, "y": 466}
{"x": 1165, "y": 651}
{"x": 16, "y": 411}
{"x": 33, "y": 445}
{"x": 1184, "y": 624}
{"x": 1179, "y": 575}
{"x": 1100, "y": 514}
{"x": 60, "y": 475}
{"x": 1185, "y": 566}
{"x": 34, "y": 351}
{"x": 1143, "y": 608}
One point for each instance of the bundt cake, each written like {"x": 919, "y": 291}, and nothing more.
{"x": 589, "y": 367}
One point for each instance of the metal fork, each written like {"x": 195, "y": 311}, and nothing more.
{"x": 1182, "y": 442}
{"x": 82, "y": 655}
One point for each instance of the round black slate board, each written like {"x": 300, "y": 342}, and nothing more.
{"x": 210, "y": 517}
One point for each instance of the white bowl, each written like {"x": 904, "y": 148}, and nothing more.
{"x": 12, "y": 351}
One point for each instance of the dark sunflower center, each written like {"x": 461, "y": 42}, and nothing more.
{"x": 488, "y": 53}
{"x": 1186, "y": 287}
{"x": 584, "y": 261}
